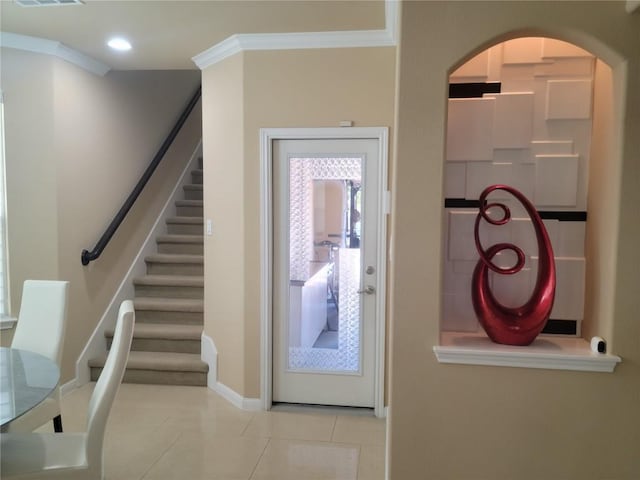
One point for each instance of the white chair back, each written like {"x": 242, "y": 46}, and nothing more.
{"x": 107, "y": 385}
{"x": 43, "y": 318}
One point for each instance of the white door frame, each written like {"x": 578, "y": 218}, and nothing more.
{"x": 267, "y": 136}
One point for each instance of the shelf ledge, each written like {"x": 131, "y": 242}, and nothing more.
{"x": 555, "y": 353}
{"x": 7, "y": 322}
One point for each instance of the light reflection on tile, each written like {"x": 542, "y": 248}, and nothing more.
{"x": 290, "y": 459}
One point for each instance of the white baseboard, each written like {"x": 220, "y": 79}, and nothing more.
{"x": 251, "y": 404}
{"x": 209, "y": 355}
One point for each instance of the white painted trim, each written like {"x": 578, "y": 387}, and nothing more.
{"x": 209, "y": 355}
{"x": 250, "y": 404}
{"x": 391, "y": 19}
{"x": 96, "y": 344}
{"x": 52, "y": 47}
{"x": 267, "y": 136}
{"x": 549, "y": 353}
{"x": 7, "y": 323}
{"x": 303, "y": 40}
{"x": 69, "y": 386}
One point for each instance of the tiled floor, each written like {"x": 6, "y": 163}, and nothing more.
{"x": 164, "y": 432}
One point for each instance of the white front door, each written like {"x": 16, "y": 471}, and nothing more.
{"x": 326, "y": 226}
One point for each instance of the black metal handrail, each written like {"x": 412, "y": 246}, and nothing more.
{"x": 88, "y": 256}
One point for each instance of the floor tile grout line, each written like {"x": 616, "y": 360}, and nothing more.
{"x": 358, "y": 462}
{"x": 255, "y": 467}
{"x": 333, "y": 430}
{"x": 244, "y": 430}
{"x": 153, "y": 464}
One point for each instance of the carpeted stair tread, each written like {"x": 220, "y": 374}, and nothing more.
{"x": 170, "y": 280}
{"x": 161, "y": 361}
{"x": 169, "y": 304}
{"x": 174, "y": 258}
{"x": 166, "y": 331}
{"x": 180, "y": 238}
{"x": 186, "y": 220}
{"x": 189, "y": 203}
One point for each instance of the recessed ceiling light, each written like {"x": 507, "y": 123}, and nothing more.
{"x": 120, "y": 44}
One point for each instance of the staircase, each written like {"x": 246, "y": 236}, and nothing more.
{"x": 169, "y": 302}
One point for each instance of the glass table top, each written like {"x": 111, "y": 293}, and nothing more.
{"x": 26, "y": 379}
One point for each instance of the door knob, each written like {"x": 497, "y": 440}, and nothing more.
{"x": 368, "y": 290}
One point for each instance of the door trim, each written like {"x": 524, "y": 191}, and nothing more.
{"x": 267, "y": 137}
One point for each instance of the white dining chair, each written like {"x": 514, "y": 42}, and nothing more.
{"x": 41, "y": 328}
{"x": 73, "y": 456}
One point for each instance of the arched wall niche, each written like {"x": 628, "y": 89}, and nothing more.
{"x": 602, "y": 182}
{"x": 609, "y": 55}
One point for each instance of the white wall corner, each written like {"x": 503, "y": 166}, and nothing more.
{"x": 209, "y": 355}
{"x": 56, "y": 49}
{"x": 226, "y": 48}
{"x": 633, "y": 6}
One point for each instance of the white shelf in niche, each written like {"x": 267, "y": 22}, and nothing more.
{"x": 555, "y": 353}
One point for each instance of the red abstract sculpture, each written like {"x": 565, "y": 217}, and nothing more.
{"x": 512, "y": 325}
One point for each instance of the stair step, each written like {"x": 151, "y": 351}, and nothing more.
{"x": 169, "y": 310}
{"x": 159, "y": 368}
{"x": 185, "y": 225}
{"x": 158, "y": 337}
{"x": 200, "y": 162}
{"x": 181, "y": 244}
{"x": 174, "y": 264}
{"x": 192, "y": 192}
{"x": 189, "y": 208}
{"x": 170, "y": 286}
{"x": 180, "y": 238}
{"x": 169, "y": 304}
{"x": 196, "y": 176}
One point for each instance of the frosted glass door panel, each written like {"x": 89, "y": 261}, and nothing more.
{"x": 324, "y": 264}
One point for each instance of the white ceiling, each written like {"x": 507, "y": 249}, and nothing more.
{"x": 166, "y": 34}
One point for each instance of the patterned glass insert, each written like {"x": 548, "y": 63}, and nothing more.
{"x": 324, "y": 305}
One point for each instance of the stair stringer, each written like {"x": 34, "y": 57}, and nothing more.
{"x": 97, "y": 344}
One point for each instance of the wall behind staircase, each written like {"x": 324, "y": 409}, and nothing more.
{"x": 76, "y": 144}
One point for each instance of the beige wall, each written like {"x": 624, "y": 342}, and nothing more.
{"x": 296, "y": 88}
{"x": 460, "y": 421}
{"x": 76, "y": 144}
{"x": 224, "y": 201}
{"x": 604, "y": 175}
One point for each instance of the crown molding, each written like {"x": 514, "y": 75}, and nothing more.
{"x": 51, "y": 47}
{"x": 303, "y": 40}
